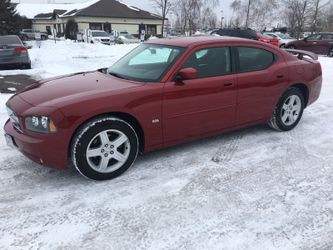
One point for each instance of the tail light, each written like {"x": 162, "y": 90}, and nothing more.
{"x": 21, "y": 50}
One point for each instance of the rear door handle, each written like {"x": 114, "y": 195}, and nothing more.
{"x": 228, "y": 84}
{"x": 279, "y": 76}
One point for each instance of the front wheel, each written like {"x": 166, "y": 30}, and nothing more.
{"x": 288, "y": 111}
{"x": 104, "y": 148}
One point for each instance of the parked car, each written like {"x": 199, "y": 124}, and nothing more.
{"x": 97, "y": 36}
{"x": 164, "y": 92}
{"x": 13, "y": 53}
{"x": 282, "y": 38}
{"x": 236, "y": 32}
{"x": 320, "y": 43}
{"x": 267, "y": 39}
{"x": 30, "y": 34}
{"x": 127, "y": 39}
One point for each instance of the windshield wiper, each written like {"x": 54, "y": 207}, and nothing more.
{"x": 116, "y": 75}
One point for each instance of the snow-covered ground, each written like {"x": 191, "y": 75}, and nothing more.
{"x": 249, "y": 189}
{"x": 65, "y": 57}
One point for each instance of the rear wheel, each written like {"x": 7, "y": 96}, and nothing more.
{"x": 291, "y": 47}
{"x": 288, "y": 111}
{"x": 25, "y": 38}
{"x": 282, "y": 46}
{"x": 26, "y": 66}
{"x": 104, "y": 148}
{"x": 330, "y": 52}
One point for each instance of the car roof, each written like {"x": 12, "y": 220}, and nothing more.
{"x": 199, "y": 40}
{"x": 10, "y": 36}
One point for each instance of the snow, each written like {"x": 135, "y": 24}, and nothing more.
{"x": 65, "y": 57}
{"x": 30, "y": 10}
{"x": 249, "y": 189}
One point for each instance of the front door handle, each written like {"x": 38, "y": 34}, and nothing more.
{"x": 228, "y": 84}
{"x": 279, "y": 76}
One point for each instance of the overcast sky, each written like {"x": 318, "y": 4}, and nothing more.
{"x": 143, "y": 4}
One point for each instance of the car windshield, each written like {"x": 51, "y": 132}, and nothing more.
{"x": 99, "y": 33}
{"x": 7, "y": 40}
{"x": 129, "y": 36}
{"x": 146, "y": 63}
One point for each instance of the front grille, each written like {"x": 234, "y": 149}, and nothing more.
{"x": 14, "y": 120}
{"x": 105, "y": 40}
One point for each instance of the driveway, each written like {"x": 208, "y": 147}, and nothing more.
{"x": 11, "y": 84}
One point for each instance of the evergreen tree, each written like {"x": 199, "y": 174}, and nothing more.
{"x": 9, "y": 19}
{"x": 71, "y": 29}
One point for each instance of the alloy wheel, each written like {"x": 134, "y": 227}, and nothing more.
{"x": 108, "y": 151}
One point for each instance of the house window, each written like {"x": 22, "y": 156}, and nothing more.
{"x": 95, "y": 26}
{"x": 107, "y": 27}
{"x": 48, "y": 30}
{"x": 151, "y": 30}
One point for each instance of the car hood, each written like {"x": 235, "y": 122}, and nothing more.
{"x": 56, "y": 92}
{"x": 101, "y": 37}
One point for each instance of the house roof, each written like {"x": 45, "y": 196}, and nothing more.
{"x": 92, "y": 8}
{"x": 115, "y": 9}
{"x": 50, "y": 15}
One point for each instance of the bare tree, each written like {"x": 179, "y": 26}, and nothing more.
{"x": 298, "y": 12}
{"x": 256, "y": 14}
{"x": 318, "y": 7}
{"x": 192, "y": 14}
{"x": 164, "y": 6}
{"x": 248, "y": 14}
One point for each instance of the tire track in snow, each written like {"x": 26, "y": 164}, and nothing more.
{"x": 227, "y": 150}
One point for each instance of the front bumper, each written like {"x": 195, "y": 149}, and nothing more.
{"x": 47, "y": 150}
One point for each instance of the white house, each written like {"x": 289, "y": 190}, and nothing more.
{"x": 105, "y": 15}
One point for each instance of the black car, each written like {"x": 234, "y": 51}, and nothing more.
{"x": 236, "y": 32}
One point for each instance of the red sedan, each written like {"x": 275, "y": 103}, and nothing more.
{"x": 268, "y": 39}
{"x": 162, "y": 93}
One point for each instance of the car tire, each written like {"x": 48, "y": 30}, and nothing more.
{"x": 330, "y": 53}
{"x": 25, "y": 38}
{"x": 43, "y": 38}
{"x": 26, "y": 66}
{"x": 104, "y": 148}
{"x": 291, "y": 47}
{"x": 289, "y": 110}
{"x": 282, "y": 46}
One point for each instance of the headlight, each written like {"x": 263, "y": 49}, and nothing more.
{"x": 41, "y": 124}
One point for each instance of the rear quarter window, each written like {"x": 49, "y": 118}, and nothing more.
{"x": 254, "y": 59}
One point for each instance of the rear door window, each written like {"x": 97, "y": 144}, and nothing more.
{"x": 327, "y": 37}
{"x": 254, "y": 59}
{"x": 314, "y": 37}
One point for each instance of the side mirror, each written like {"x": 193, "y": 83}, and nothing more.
{"x": 187, "y": 74}
{"x": 305, "y": 39}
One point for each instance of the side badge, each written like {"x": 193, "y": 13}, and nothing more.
{"x": 155, "y": 121}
